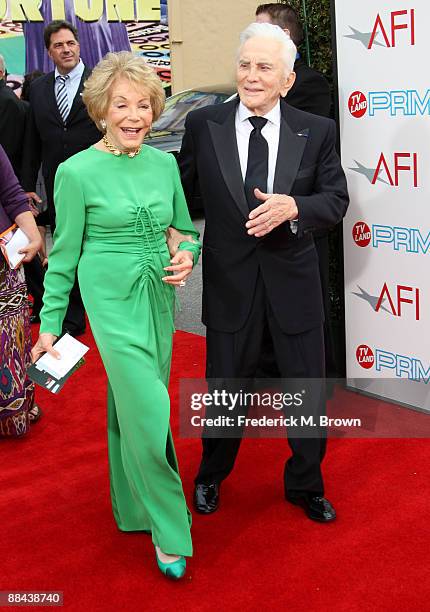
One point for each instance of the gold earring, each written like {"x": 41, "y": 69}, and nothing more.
{"x": 103, "y": 124}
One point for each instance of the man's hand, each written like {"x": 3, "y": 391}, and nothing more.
{"x": 276, "y": 209}
{"x": 32, "y": 199}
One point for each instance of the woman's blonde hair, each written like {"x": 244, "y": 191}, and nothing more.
{"x": 113, "y": 66}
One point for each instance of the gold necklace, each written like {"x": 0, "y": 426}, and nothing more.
{"x": 117, "y": 152}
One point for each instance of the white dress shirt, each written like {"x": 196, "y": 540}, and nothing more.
{"x": 72, "y": 83}
{"x": 270, "y": 132}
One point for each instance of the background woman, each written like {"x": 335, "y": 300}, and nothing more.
{"x": 114, "y": 202}
{"x": 17, "y": 407}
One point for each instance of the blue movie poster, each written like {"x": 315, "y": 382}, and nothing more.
{"x": 103, "y": 25}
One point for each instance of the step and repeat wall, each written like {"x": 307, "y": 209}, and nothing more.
{"x": 383, "y": 54}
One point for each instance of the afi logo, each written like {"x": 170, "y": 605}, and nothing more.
{"x": 411, "y": 167}
{"x": 388, "y": 27}
{"x": 388, "y": 170}
{"x": 413, "y": 297}
{"x": 403, "y": 294}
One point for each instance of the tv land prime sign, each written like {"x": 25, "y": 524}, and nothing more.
{"x": 384, "y": 105}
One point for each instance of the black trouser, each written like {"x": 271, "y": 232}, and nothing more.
{"x": 34, "y": 274}
{"x": 74, "y": 321}
{"x": 236, "y": 356}
{"x": 267, "y": 366}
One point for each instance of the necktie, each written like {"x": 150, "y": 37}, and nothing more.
{"x": 258, "y": 162}
{"x": 62, "y": 99}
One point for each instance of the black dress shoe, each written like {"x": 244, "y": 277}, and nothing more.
{"x": 206, "y": 498}
{"x": 317, "y": 508}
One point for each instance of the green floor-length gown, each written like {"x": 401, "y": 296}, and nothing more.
{"x": 112, "y": 213}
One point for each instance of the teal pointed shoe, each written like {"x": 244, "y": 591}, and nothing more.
{"x": 175, "y": 570}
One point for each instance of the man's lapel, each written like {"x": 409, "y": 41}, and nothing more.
{"x": 50, "y": 99}
{"x": 77, "y": 101}
{"x": 290, "y": 152}
{"x": 224, "y": 140}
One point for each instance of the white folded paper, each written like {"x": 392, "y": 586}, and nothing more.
{"x": 17, "y": 242}
{"x": 71, "y": 351}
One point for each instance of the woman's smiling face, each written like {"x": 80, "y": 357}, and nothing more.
{"x": 129, "y": 115}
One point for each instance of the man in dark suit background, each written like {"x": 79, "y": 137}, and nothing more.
{"x": 269, "y": 176}
{"x": 12, "y": 121}
{"x": 58, "y": 126}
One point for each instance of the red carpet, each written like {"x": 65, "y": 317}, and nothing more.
{"x": 257, "y": 553}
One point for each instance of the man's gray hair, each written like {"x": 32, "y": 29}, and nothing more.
{"x": 2, "y": 66}
{"x": 274, "y": 32}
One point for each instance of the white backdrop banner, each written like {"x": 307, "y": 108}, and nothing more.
{"x": 383, "y": 56}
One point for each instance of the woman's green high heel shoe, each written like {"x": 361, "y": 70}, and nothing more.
{"x": 175, "y": 570}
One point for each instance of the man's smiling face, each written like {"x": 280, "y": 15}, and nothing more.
{"x": 261, "y": 74}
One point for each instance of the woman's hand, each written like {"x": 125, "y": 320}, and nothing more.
{"x": 181, "y": 266}
{"x": 44, "y": 345}
{"x": 32, "y": 249}
{"x": 26, "y": 222}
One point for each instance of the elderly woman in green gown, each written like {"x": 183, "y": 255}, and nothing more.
{"x": 114, "y": 203}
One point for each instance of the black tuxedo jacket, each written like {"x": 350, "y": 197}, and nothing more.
{"x": 307, "y": 168}
{"x": 47, "y": 139}
{"x": 12, "y": 125}
{"x": 311, "y": 90}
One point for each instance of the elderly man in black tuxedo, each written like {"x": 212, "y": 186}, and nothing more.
{"x": 269, "y": 176}
{"x": 58, "y": 126}
{"x": 310, "y": 93}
